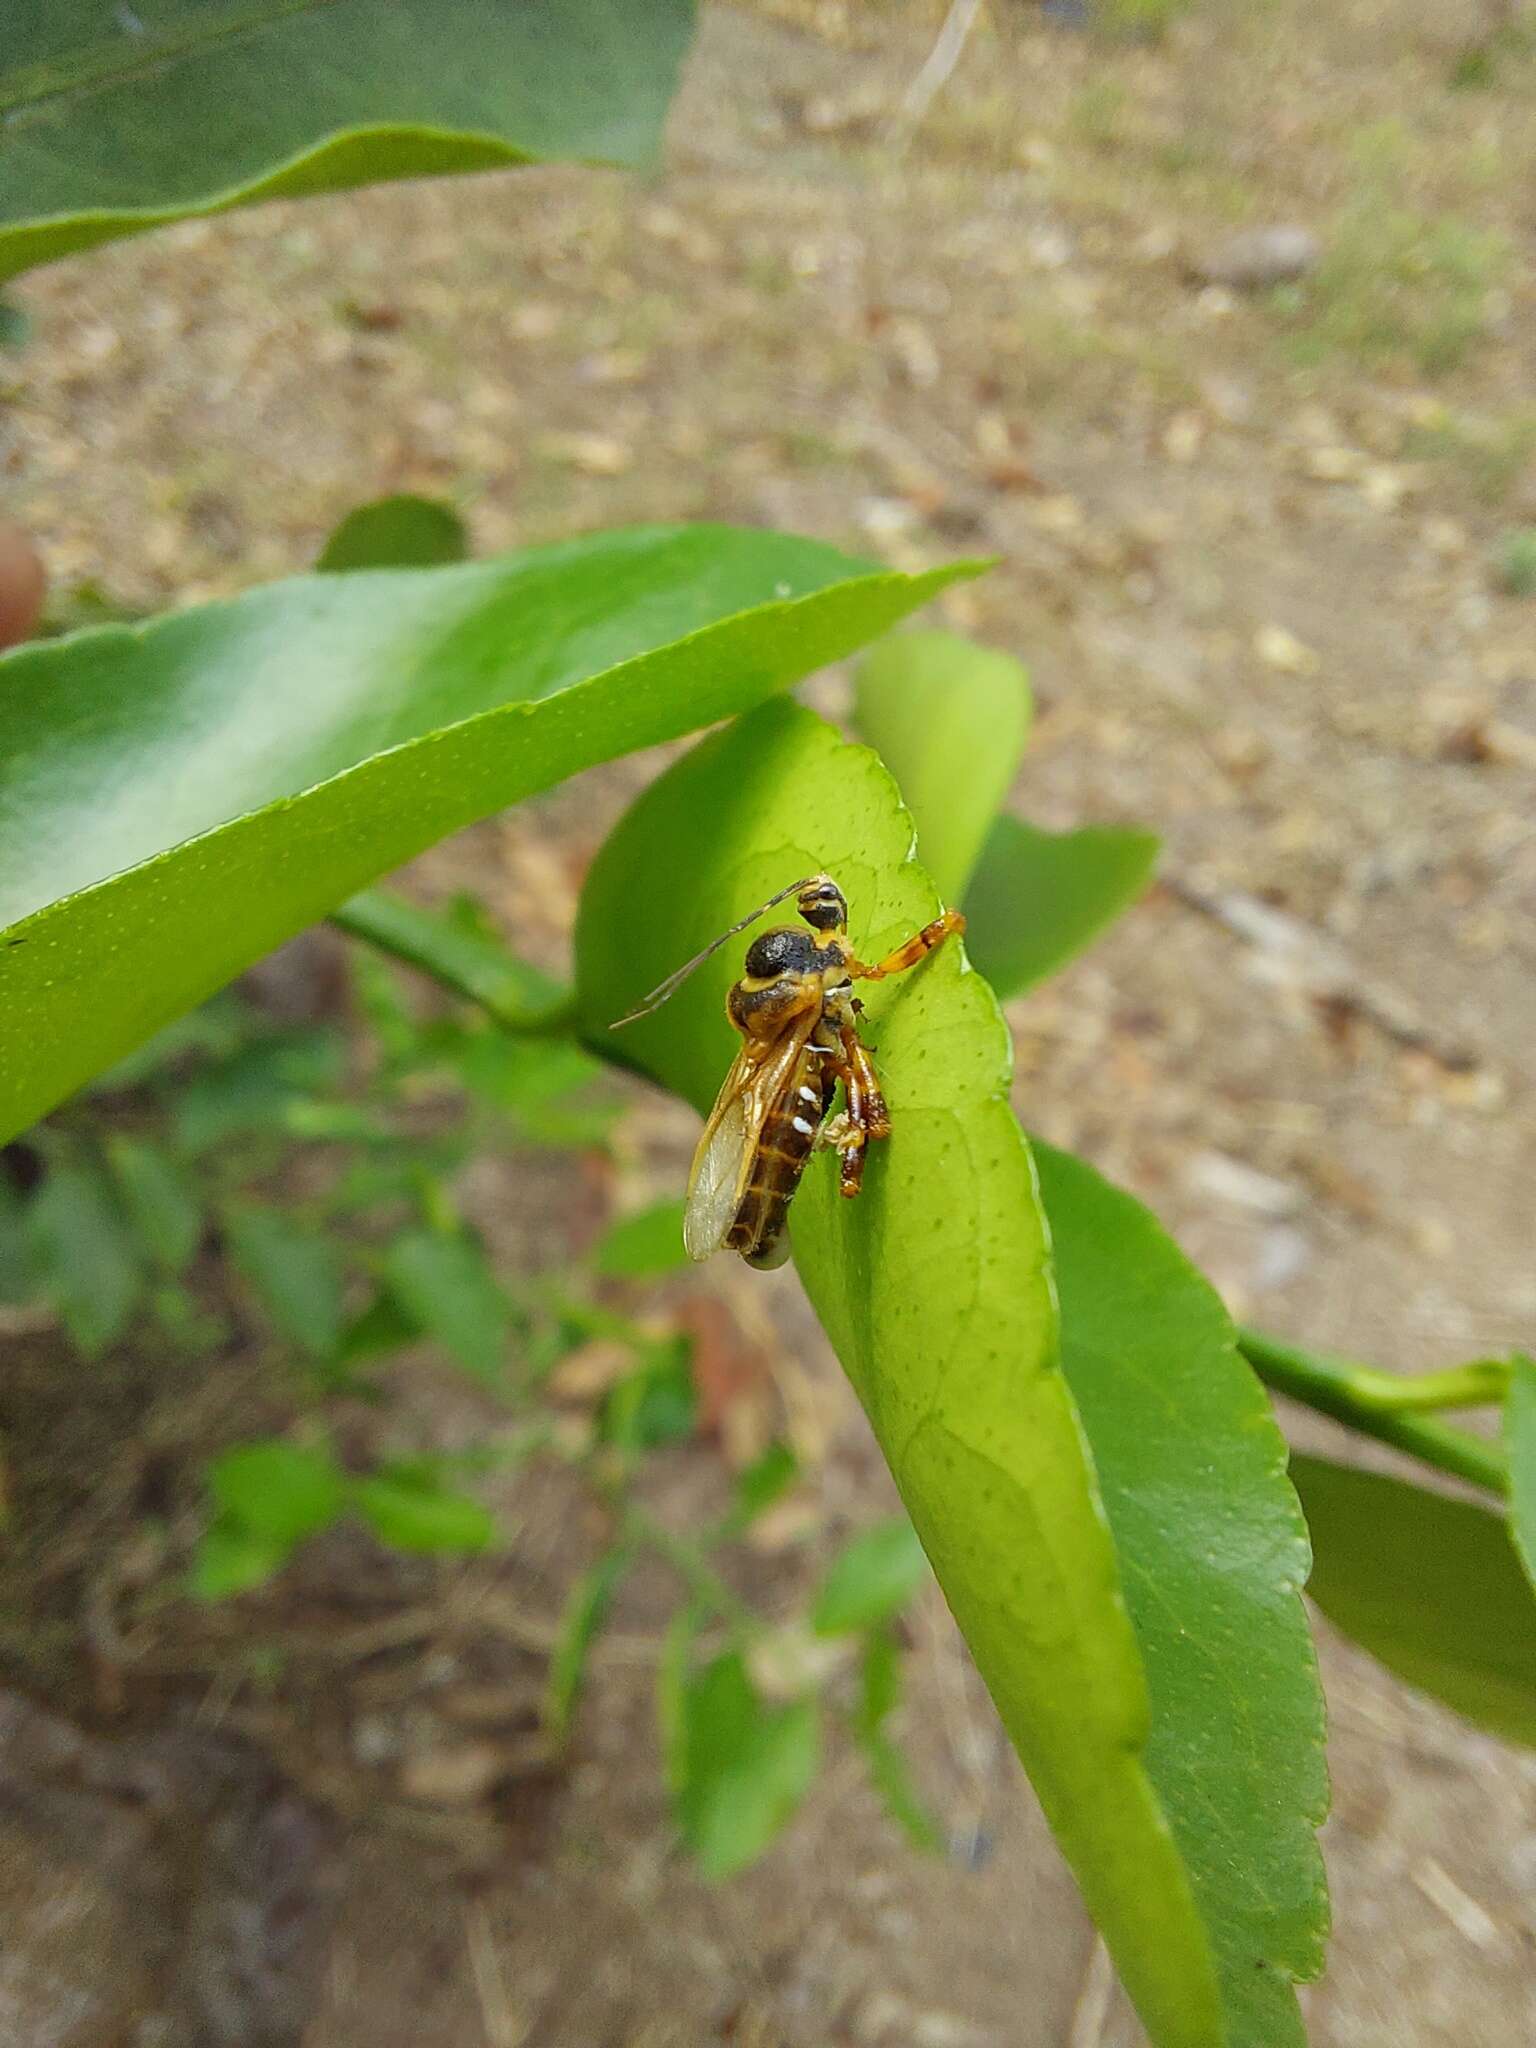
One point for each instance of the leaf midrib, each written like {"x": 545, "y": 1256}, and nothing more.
{"x": 112, "y": 64}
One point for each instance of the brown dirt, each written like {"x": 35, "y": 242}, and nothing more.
{"x": 1257, "y": 599}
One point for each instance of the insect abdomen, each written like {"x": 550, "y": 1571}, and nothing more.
{"x": 788, "y": 1134}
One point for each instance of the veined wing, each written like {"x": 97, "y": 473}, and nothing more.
{"x": 722, "y": 1165}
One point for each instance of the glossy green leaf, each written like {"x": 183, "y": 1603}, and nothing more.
{"x": 949, "y": 720}
{"x": 933, "y": 1286}
{"x": 873, "y": 1578}
{"x": 403, "y": 532}
{"x": 410, "y": 1509}
{"x": 84, "y": 1258}
{"x": 160, "y": 1199}
{"x": 119, "y": 119}
{"x": 879, "y": 1693}
{"x": 445, "y": 1285}
{"x": 295, "y": 1272}
{"x": 1520, "y": 1443}
{"x": 743, "y": 1766}
{"x": 585, "y": 1612}
{"x": 1430, "y": 1586}
{"x": 278, "y": 1492}
{"x": 1213, "y": 1553}
{"x": 1037, "y": 898}
{"x": 252, "y": 764}
{"x": 640, "y": 1245}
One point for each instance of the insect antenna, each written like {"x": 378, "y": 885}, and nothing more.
{"x": 664, "y": 990}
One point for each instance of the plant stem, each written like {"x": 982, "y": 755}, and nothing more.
{"x": 691, "y": 1566}
{"x": 467, "y": 964}
{"x": 1372, "y": 1402}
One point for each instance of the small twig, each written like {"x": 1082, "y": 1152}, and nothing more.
{"x": 1359, "y": 1397}
{"x": 939, "y": 63}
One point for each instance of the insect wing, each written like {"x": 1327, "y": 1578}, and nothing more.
{"x": 719, "y": 1168}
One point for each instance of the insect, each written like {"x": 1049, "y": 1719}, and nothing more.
{"x": 798, "y": 1018}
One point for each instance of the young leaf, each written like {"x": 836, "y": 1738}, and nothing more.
{"x": 743, "y": 1766}
{"x": 231, "y": 1559}
{"x": 933, "y": 1287}
{"x": 294, "y": 1271}
{"x": 404, "y": 532}
{"x": 276, "y": 1492}
{"x": 1037, "y": 898}
{"x": 764, "y": 1481}
{"x": 640, "y": 1245}
{"x": 879, "y": 1691}
{"x": 174, "y": 782}
{"x": 1213, "y": 1553}
{"x": 446, "y": 1287}
{"x": 873, "y": 1579}
{"x": 1430, "y": 1586}
{"x": 84, "y": 1259}
{"x": 161, "y": 1201}
{"x": 949, "y": 719}
{"x": 118, "y": 121}
{"x": 408, "y": 1507}
{"x": 585, "y": 1612}
{"x": 1520, "y": 1442}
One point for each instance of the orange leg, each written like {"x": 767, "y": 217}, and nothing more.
{"x": 916, "y": 948}
{"x": 876, "y": 1118}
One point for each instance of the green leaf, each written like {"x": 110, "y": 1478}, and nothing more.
{"x": 585, "y": 1612}
{"x": 1520, "y": 1442}
{"x": 879, "y": 1692}
{"x": 404, "y": 532}
{"x": 873, "y": 1579}
{"x": 446, "y": 1286}
{"x": 949, "y": 720}
{"x": 1038, "y": 898}
{"x": 295, "y": 1272}
{"x": 1430, "y": 1586}
{"x": 161, "y": 1201}
{"x": 255, "y": 1090}
{"x": 185, "y": 795}
{"x": 277, "y": 1492}
{"x": 120, "y": 120}
{"x": 656, "y": 1404}
{"x": 454, "y": 954}
{"x": 743, "y": 1766}
{"x": 1213, "y": 1553}
{"x": 84, "y": 1258}
{"x": 409, "y": 1508}
{"x": 643, "y": 1244}
{"x": 19, "y": 1278}
{"x": 764, "y": 1481}
{"x": 231, "y": 1559}
{"x": 933, "y": 1287}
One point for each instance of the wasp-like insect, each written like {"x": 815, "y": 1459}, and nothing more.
{"x": 798, "y": 1018}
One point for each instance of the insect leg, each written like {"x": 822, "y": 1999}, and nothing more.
{"x": 916, "y": 948}
{"x": 856, "y": 1061}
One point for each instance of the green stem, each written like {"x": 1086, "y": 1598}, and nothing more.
{"x": 1371, "y": 1402}
{"x": 518, "y": 997}
{"x": 691, "y": 1566}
